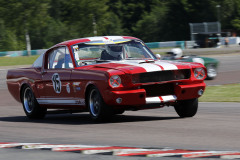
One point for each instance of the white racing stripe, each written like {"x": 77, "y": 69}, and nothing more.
{"x": 95, "y": 38}
{"x": 166, "y": 65}
{"x": 115, "y": 37}
{"x": 149, "y": 67}
{"x": 103, "y": 39}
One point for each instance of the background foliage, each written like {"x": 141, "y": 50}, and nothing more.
{"x": 51, "y": 21}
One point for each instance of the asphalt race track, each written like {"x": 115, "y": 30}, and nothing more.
{"x": 228, "y": 71}
{"x": 214, "y": 128}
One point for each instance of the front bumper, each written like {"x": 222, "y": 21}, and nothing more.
{"x": 138, "y": 97}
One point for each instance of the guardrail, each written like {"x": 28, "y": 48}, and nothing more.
{"x": 171, "y": 44}
{"x": 189, "y": 44}
{"x": 21, "y": 53}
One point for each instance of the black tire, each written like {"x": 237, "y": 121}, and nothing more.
{"x": 211, "y": 72}
{"x": 119, "y": 111}
{"x": 30, "y": 104}
{"x": 187, "y": 108}
{"x": 98, "y": 110}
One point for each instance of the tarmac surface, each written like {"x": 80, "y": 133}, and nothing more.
{"x": 215, "y": 127}
{"x": 228, "y": 70}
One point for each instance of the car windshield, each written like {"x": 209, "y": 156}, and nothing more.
{"x": 129, "y": 49}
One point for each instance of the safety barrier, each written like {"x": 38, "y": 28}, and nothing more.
{"x": 171, "y": 44}
{"x": 21, "y": 53}
{"x": 189, "y": 44}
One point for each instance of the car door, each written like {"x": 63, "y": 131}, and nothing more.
{"x": 56, "y": 78}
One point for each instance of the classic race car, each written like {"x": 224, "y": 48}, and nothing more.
{"x": 210, "y": 63}
{"x": 106, "y": 76}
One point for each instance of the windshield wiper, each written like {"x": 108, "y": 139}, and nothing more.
{"x": 101, "y": 60}
{"x": 132, "y": 58}
{"x": 146, "y": 59}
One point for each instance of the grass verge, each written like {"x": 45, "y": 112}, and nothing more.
{"x": 21, "y": 60}
{"x": 223, "y": 93}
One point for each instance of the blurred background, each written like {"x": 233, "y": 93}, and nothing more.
{"x": 31, "y": 24}
{"x": 199, "y": 27}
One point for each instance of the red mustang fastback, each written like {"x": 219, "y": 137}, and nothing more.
{"x": 106, "y": 76}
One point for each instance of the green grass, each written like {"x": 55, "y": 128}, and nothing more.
{"x": 223, "y": 93}
{"x": 22, "y": 60}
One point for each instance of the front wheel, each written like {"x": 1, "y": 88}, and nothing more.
{"x": 119, "y": 111}
{"x": 30, "y": 105}
{"x": 99, "y": 111}
{"x": 187, "y": 108}
{"x": 211, "y": 72}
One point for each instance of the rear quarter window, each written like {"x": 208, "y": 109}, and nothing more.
{"x": 38, "y": 62}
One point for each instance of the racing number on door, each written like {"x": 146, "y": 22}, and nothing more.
{"x": 56, "y": 82}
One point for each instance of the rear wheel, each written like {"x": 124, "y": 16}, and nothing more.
{"x": 187, "y": 108}
{"x": 99, "y": 111}
{"x": 30, "y": 105}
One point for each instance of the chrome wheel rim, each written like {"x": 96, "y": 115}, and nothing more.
{"x": 211, "y": 72}
{"x": 28, "y": 100}
{"x": 94, "y": 103}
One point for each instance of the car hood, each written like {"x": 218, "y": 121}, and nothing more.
{"x": 141, "y": 66}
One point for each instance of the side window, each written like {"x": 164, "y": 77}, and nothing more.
{"x": 68, "y": 60}
{"x": 51, "y": 57}
{"x": 59, "y": 58}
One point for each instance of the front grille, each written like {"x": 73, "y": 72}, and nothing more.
{"x": 161, "y": 76}
{"x": 158, "y": 89}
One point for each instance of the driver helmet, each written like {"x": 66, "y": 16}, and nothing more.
{"x": 177, "y": 53}
{"x": 116, "y": 51}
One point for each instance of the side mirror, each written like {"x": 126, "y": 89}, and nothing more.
{"x": 158, "y": 56}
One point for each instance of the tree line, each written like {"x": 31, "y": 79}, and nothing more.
{"x": 48, "y": 22}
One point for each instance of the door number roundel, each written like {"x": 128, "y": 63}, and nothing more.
{"x": 56, "y": 82}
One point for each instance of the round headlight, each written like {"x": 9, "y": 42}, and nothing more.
{"x": 115, "y": 81}
{"x": 199, "y": 73}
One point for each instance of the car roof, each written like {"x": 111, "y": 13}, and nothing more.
{"x": 92, "y": 39}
